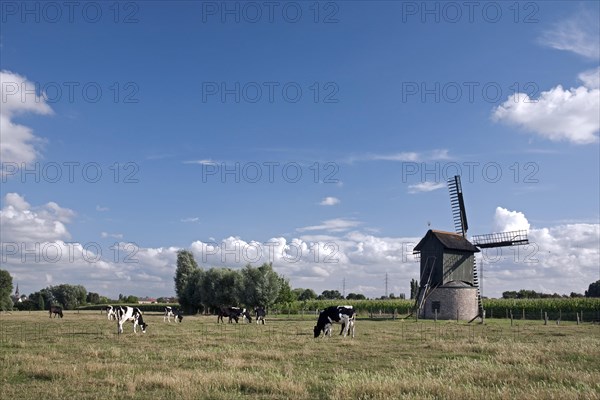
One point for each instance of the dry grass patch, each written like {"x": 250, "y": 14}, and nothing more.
{"x": 202, "y": 360}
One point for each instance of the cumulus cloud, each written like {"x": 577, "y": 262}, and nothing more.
{"x": 557, "y": 114}
{"x": 329, "y": 201}
{"x": 18, "y": 143}
{"x": 505, "y": 220}
{"x": 425, "y": 187}
{"x": 560, "y": 258}
{"x": 37, "y": 250}
{"x": 318, "y": 261}
{"x": 23, "y": 223}
{"x": 561, "y": 114}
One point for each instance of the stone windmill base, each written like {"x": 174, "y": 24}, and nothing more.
{"x": 454, "y": 300}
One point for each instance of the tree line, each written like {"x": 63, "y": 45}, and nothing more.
{"x": 202, "y": 290}
{"x": 593, "y": 291}
{"x": 69, "y": 297}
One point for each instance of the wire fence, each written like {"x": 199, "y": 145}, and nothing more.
{"x": 25, "y": 332}
{"x": 427, "y": 331}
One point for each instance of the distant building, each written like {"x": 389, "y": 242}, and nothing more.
{"x": 146, "y": 300}
{"x": 17, "y": 298}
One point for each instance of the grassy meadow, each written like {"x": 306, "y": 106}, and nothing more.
{"x": 81, "y": 357}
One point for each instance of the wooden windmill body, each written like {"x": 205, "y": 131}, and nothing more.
{"x": 449, "y": 283}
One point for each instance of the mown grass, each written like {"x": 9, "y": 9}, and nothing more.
{"x": 81, "y": 357}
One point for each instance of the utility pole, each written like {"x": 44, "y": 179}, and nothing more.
{"x": 386, "y": 284}
{"x": 344, "y": 288}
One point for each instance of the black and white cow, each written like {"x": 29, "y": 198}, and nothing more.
{"x": 260, "y": 313}
{"x": 344, "y": 315}
{"x": 133, "y": 314}
{"x": 233, "y": 313}
{"x": 172, "y": 312}
{"x": 56, "y": 310}
{"x": 111, "y": 313}
{"x": 178, "y": 315}
{"x": 168, "y": 314}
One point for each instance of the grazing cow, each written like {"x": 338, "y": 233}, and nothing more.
{"x": 133, "y": 314}
{"x": 178, "y": 315}
{"x": 344, "y": 315}
{"x": 260, "y": 314}
{"x": 168, "y": 314}
{"x": 56, "y": 310}
{"x": 111, "y": 313}
{"x": 233, "y": 313}
{"x": 172, "y": 312}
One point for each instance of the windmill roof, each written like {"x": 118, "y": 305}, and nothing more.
{"x": 449, "y": 240}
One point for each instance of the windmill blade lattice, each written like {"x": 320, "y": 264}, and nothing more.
{"x": 457, "y": 202}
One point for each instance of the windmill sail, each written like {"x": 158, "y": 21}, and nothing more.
{"x": 501, "y": 239}
{"x": 459, "y": 213}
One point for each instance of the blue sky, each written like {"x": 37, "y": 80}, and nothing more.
{"x": 372, "y": 105}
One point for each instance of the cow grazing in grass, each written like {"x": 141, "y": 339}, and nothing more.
{"x": 233, "y": 313}
{"x": 56, "y": 310}
{"x": 111, "y": 313}
{"x": 133, "y": 314}
{"x": 168, "y": 314}
{"x": 260, "y": 314}
{"x": 172, "y": 312}
{"x": 178, "y": 315}
{"x": 344, "y": 315}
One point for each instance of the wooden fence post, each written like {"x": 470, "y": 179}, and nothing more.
{"x": 511, "y": 318}
{"x": 546, "y": 318}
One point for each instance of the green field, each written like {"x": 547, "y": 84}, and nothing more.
{"x": 81, "y": 357}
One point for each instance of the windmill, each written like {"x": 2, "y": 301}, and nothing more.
{"x": 449, "y": 282}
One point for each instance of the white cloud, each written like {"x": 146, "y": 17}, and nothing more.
{"x": 22, "y": 223}
{"x": 560, "y": 259}
{"x": 332, "y": 225}
{"x": 112, "y": 235}
{"x": 407, "y": 156}
{"x": 329, "y": 201}
{"x": 563, "y": 114}
{"x": 201, "y": 162}
{"x": 99, "y": 208}
{"x": 558, "y": 114}
{"x": 425, "y": 187}
{"x": 190, "y": 219}
{"x": 505, "y": 220}
{"x": 577, "y": 34}
{"x": 18, "y": 143}
{"x": 590, "y": 78}
{"x": 36, "y": 252}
